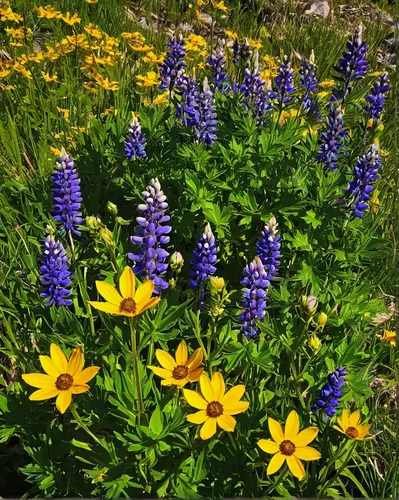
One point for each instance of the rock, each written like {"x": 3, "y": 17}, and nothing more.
{"x": 319, "y": 8}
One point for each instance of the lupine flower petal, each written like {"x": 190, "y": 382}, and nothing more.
{"x": 203, "y": 261}
{"x": 376, "y": 98}
{"x": 173, "y": 63}
{"x": 308, "y": 81}
{"x": 285, "y": 82}
{"x": 135, "y": 143}
{"x": 330, "y": 394}
{"x": 331, "y": 141}
{"x": 268, "y": 248}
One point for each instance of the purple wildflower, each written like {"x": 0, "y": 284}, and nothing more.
{"x": 285, "y": 82}
{"x": 331, "y": 141}
{"x": 268, "y": 248}
{"x": 135, "y": 144}
{"x": 240, "y": 51}
{"x": 376, "y": 98}
{"x": 203, "y": 261}
{"x": 173, "y": 63}
{"x": 308, "y": 81}
{"x": 218, "y": 65}
{"x": 205, "y": 127}
{"x": 331, "y": 393}
{"x": 186, "y": 109}
{"x": 257, "y": 97}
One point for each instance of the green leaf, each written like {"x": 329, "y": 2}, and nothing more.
{"x": 81, "y": 444}
{"x": 156, "y": 421}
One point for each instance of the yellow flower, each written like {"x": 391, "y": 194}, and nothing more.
{"x": 349, "y": 425}
{"x": 94, "y": 31}
{"x": 55, "y": 151}
{"x": 219, "y": 5}
{"x": 4, "y": 73}
{"x": 19, "y": 33}
{"x": 47, "y": 78}
{"x": 105, "y": 83}
{"x": 255, "y": 44}
{"x": 16, "y": 44}
{"x": 132, "y": 302}
{"x": 148, "y": 80}
{"x": 327, "y": 84}
{"x": 6, "y": 87}
{"x": 91, "y": 1}
{"x": 141, "y": 48}
{"x": 289, "y": 445}
{"x": 21, "y": 69}
{"x": 65, "y": 112}
{"x": 181, "y": 370}
{"x": 161, "y": 99}
{"x": 270, "y": 61}
{"x": 92, "y": 60}
{"x": 194, "y": 43}
{"x": 376, "y": 73}
{"x": 383, "y": 152}
{"x": 287, "y": 115}
{"x": 48, "y": 12}
{"x": 389, "y": 336}
{"x": 231, "y": 34}
{"x": 201, "y": 65}
{"x": 64, "y": 377}
{"x": 323, "y": 94}
{"x": 134, "y": 37}
{"x": 71, "y": 20}
{"x": 9, "y": 15}
{"x": 216, "y": 406}
{"x": 268, "y": 74}
{"x": 152, "y": 58}
{"x": 37, "y": 58}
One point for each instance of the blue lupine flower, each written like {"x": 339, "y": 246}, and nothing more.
{"x": 173, "y": 63}
{"x": 240, "y": 51}
{"x": 55, "y": 274}
{"x": 256, "y": 283}
{"x": 331, "y": 393}
{"x": 268, "y": 248}
{"x": 203, "y": 261}
{"x": 135, "y": 143}
{"x": 257, "y": 97}
{"x": 186, "y": 108}
{"x": 218, "y": 65}
{"x": 365, "y": 174}
{"x": 331, "y": 141}
{"x": 308, "y": 81}
{"x": 151, "y": 235}
{"x": 66, "y": 194}
{"x": 376, "y": 98}
{"x": 285, "y": 82}
{"x": 205, "y": 127}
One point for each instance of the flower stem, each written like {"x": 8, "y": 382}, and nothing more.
{"x": 84, "y": 426}
{"x": 347, "y": 458}
{"x": 135, "y": 364}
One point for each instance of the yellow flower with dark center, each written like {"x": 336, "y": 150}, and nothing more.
{"x": 149, "y": 80}
{"x": 181, "y": 370}
{"x": 48, "y": 12}
{"x": 47, "y": 78}
{"x": 129, "y": 302}
{"x": 349, "y": 425}
{"x": 289, "y": 445}
{"x": 63, "y": 377}
{"x": 161, "y": 99}
{"x": 390, "y": 337}
{"x": 327, "y": 84}
{"x": 71, "y": 20}
{"x": 216, "y": 406}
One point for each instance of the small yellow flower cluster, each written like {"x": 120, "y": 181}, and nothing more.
{"x": 9, "y": 15}
{"x": 136, "y": 42}
{"x": 18, "y": 34}
{"x": 195, "y": 43}
{"x": 151, "y": 79}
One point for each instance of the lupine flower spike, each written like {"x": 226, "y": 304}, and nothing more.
{"x": 173, "y": 63}
{"x": 186, "y": 108}
{"x": 203, "y": 261}
{"x": 205, "y": 128}
{"x": 285, "y": 83}
{"x": 66, "y": 194}
{"x": 135, "y": 143}
{"x": 268, "y": 248}
{"x": 376, "y": 98}
{"x": 151, "y": 235}
{"x": 364, "y": 175}
{"x": 308, "y": 81}
{"x": 55, "y": 274}
{"x": 217, "y": 62}
{"x": 254, "y": 297}
{"x": 331, "y": 392}
{"x": 257, "y": 97}
{"x": 331, "y": 141}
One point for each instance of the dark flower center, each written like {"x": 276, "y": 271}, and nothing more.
{"x": 352, "y": 432}
{"x": 64, "y": 382}
{"x": 180, "y": 372}
{"x": 214, "y": 409}
{"x": 127, "y": 305}
{"x": 287, "y": 448}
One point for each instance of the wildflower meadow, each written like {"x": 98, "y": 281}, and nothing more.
{"x": 198, "y": 261}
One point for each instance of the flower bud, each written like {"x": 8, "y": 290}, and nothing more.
{"x": 217, "y": 283}
{"x": 309, "y": 304}
{"x": 93, "y": 222}
{"x": 112, "y": 208}
{"x": 176, "y": 262}
{"x": 314, "y": 342}
{"x": 106, "y": 236}
{"x": 322, "y": 320}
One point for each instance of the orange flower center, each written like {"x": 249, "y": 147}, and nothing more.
{"x": 287, "y": 448}
{"x": 180, "y": 372}
{"x": 352, "y": 432}
{"x": 127, "y": 305}
{"x": 64, "y": 382}
{"x": 214, "y": 409}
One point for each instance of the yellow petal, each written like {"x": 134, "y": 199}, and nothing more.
{"x": 63, "y": 401}
{"x": 233, "y": 395}
{"x": 143, "y": 306}
{"x": 165, "y": 359}
{"x": 275, "y": 463}
{"x": 340, "y": 423}
{"x": 195, "y": 359}
{"x": 235, "y": 407}
{"x": 354, "y": 418}
{"x": 275, "y": 430}
{"x": 307, "y": 453}
{"x": 197, "y": 418}
{"x": 296, "y": 467}
{"x": 206, "y": 388}
{"x": 345, "y": 419}
{"x": 105, "y": 307}
{"x": 195, "y": 375}
{"x": 161, "y": 372}
{"x": 182, "y": 354}
{"x": 306, "y": 436}
{"x": 170, "y": 381}
{"x": 76, "y": 362}
{"x": 49, "y": 366}
{"x": 226, "y": 422}
{"x": 80, "y": 389}
{"x": 109, "y": 293}
{"x": 43, "y": 394}
{"x": 291, "y": 426}
{"x": 268, "y": 446}
{"x": 338, "y": 429}
{"x": 363, "y": 430}
{"x": 58, "y": 358}
{"x": 39, "y": 380}
{"x": 144, "y": 292}
{"x": 195, "y": 399}
{"x": 86, "y": 375}
{"x": 218, "y": 386}
{"x": 208, "y": 429}
{"x": 127, "y": 283}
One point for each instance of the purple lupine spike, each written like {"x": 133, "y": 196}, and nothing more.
{"x": 257, "y": 97}
{"x": 331, "y": 141}
{"x": 240, "y": 51}
{"x": 66, "y": 194}
{"x": 55, "y": 274}
{"x": 308, "y": 81}
{"x": 268, "y": 248}
{"x": 186, "y": 109}
{"x": 151, "y": 235}
{"x": 256, "y": 283}
{"x": 331, "y": 393}
{"x": 217, "y": 62}
{"x": 135, "y": 143}
{"x": 285, "y": 82}
{"x": 365, "y": 174}
{"x": 205, "y": 128}
{"x": 173, "y": 63}
{"x": 203, "y": 261}
{"x": 376, "y": 98}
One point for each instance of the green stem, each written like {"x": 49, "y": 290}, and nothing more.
{"x": 347, "y": 458}
{"x": 278, "y": 480}
{"x": 298, "y": 392}
{"x": 135, "y": 364}
{"x": 198, "y": 335}
{"x": 84, "y": 426}
{"x": 114, "y": 261}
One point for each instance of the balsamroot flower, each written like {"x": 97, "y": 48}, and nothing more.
{"x": 376, "y": 98}
{"x": 129, "y": 302}
{"x": 135, "y": 143}
{"x": 151, "y": 235}
{"x": 181, "y": 370}
{"x": 55, "y": 273}
{"x": 63, "y": 377}
{"x": 268, "y": 248}
{"x": 66, "y": 194}
{"x": 349, "y": 425}
{"x": 256, "y": 283}
{"x": 364, "y": 175}
{"x": 217, "y": 62}
{"x": 331, "y": 141}
{"x": 205, "y": 128}
{"x": 215, "y": 404}
{"x": 173, "y": 63}
{"x": 204, "y": 259}
{"x": 331, "y": 393}
{"x": 289, "y": 445}
{"x": 285, "y": 82}
{"x": 308, "y": 81}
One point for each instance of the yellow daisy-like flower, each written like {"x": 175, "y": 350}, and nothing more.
{"x": 130, "y": 302}
{"x": 6, "y": 87}
{"x": 64, "y": 112}
{"x": 376, "y": 73}
{"x": 48, "y": 12}
{"x": 55, "y": 151}
{"x": 231, "y": 34}
{"x": 349, "y": 425}
{"x": 63, "y": 377}
{"x": 47, "y": 78}
{"x": 152, "y": 58}
{"x": 71, "y": 20}
{"x": 94, "y": 31}
{"x": 255, "y": 44}
{"x": 149, "y": 80}
{"x": 91, "y": 1}
{"x": 219, "y": 5}
{"x": 9, "y": 15}
{"x": 389, "y": 336}
{"x": 289, "y": 445}
{"x": 161, "y": 99}
{"x": 181, "y": 370}
{"x": 4, "y": 73}
{"x": 105, "y": 83}
{"x": 327, "y": 84}
{"x": 216, "y": 406}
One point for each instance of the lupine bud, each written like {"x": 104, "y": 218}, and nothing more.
{"x": 112, "y": 208}
{"x": 205, "y": 128}
{"x": 176, "y": 262}
{"x": 322, "y": 319}
{"x": 331, "y": 393}
{"x": 314, "y": 342}
{"x": 135, "y": 143}
{"x": 218, "y": 65}
{"x": 268, "y": 248}
{"x": 257, "y": 98}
